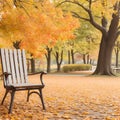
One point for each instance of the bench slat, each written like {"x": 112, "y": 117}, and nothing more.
{"x": 12, "y": 67}
{"x": 8, "y": 65}
{"x": 3, "y": 62}
{"x": 16, "y": 66}
{"x": 24, "y": 66}
{"x": 21, "y": 66}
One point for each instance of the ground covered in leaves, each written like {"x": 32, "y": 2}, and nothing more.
{"x": 67, "y": 97}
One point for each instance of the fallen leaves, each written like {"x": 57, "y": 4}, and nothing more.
{"x": 87, "y": 99}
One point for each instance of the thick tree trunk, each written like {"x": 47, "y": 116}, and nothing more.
{"x": 106, "y": 47}
{"x": 105, "y": 55}
{"x": 48, "y": 58}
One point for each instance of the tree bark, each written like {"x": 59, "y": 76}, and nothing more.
{"x": 84, "y": 58}
{"x": 72, "y": 56}
{"x": 48, "y": 58}
{"x": 105, "y": 55}
{"x": 106, "y": 47}
{"x": 16, "y": 44}
{"x": 88, "y": 59}
{"x": 117, "y": 54}
{"x": 69, "y": 60}
{"x": 32, "y": 65}
{"x": 59, "y": 59}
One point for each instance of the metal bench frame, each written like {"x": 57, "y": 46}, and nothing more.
{"x": 15, "y": 75}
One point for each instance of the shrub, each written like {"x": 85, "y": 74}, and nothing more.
{"x": 76, "y": 67}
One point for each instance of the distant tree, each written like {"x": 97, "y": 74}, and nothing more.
{"x": 58, "y": 53}
{"x": 117, "y": 50}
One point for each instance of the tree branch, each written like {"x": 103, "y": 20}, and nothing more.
{"x": 78, "y": 16}
{"x": 91, "y": 20}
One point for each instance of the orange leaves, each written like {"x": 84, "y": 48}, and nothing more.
{"x": 48, "y": 25}
{"x": 43, "y": 27}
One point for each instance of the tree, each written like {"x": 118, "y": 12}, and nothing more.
{"x": 58, "y": 53}
{"x": 87, "y": 42}
{"x": 109, "y": 33}
{"x": 117, "y": 50}
{"x": 70, "y": 47}
{"x": 42, "y": 26}
{"x": 48, "y": 58}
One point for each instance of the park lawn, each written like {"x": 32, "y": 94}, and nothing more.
{"x": 71, "y": 97}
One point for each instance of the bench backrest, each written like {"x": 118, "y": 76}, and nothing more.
{"x": 14, "y": 62}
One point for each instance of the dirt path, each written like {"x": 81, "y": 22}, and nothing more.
{"x": 68, "y": 98}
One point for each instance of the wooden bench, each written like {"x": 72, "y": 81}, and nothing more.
{"x": 116, "y": 70}
{"x": 15, "y": 75}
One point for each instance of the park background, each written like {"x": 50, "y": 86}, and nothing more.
{"x": 67, "y": 36}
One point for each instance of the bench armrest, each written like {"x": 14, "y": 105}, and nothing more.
{"x": 6, "y": 74}
{"x": 41, "y": 76}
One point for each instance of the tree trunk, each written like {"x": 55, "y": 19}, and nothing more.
{"x": 32, "y": 65}
{"x": 91, "y": 61}
{"x": 72, "y": 56}
{"x": 69, "y": 61}
{"x": 16, "y": 44}
{"x": 105, "y": 55}
{"x": 84, "y": 58}
{"x": 117, "y": 54}
{"x": 106, "y": 47}
{"x": 88, "y": 59}
{"x": 117, "y": 59}
{"x": 28, "y": 65}
{"x": 48, "y": 58}
{"x": 59, "y": 59}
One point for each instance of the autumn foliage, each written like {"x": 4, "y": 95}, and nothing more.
{"x": 41, "y": 26}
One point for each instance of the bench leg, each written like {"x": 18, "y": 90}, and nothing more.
{"x": 28, "y": 95}
{"x": 11, "y": 102}
{"x": 41, "y": 97}
{"x": 4, "y": 97}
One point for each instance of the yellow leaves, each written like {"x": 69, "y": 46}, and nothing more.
{"x": 43, "y": 27}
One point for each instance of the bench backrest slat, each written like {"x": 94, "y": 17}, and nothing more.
{"x": 24, "y": 66}
{"x": 16, "y": 66}
{"x": 8, "y": 65}
{"x": 21, "y": 66}
{"x": 3, "y": 59}
{"x": 12, "y": 67}
{"x": 14, "y": 62}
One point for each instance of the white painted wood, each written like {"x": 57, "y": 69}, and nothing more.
{"x": 12, "y": 67}
{"x": 20, "y": 66}
{"x": 8, "y": 65}
{"x": 3, "y": 60}
{"x": 3, "y": 63}
{"x": 14, "y": 62}
{"x": 16, "y": 66}
{"x": 24, "y": 66}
